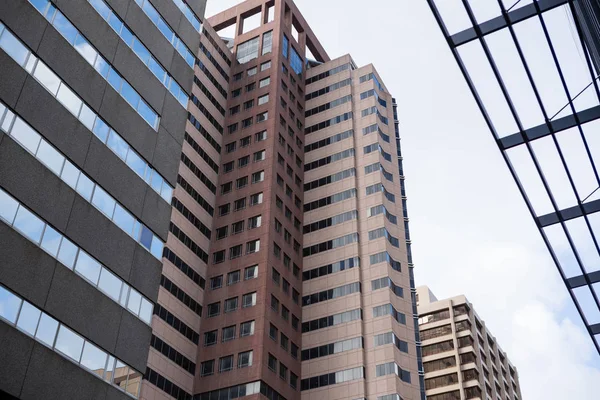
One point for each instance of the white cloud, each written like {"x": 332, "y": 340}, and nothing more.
{"x": 471, "y": 231}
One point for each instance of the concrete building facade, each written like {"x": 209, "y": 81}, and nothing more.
{"x": 461, "y": 358}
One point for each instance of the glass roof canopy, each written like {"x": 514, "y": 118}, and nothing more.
{"x": 536, "y": 83}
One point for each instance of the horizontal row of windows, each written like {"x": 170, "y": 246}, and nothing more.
{"x": 213, "y": 121}
{"x": 101, "y": 65}
{"x": 73, "y": 257}
{"x": 162, "y": 347}
{"x": 330, "y": 122}
{"x": 209, "y": 96}
{"x": 198, "y": 149}
{"x": 441, "y": 364}
{"x": 374, "y": 110}
{"x": 226, "y": 364}
{"x": 188, "y": 14}
{"x": 176, "y": 324}
{"x": 387, "y": 282}
{"x": 246, "y": 389}
{"x": 239, "y": 227}
{"x": 132, "y": 41}
{"x": 179, "y": 206}
{"x": 332, "y": 348}
{"x": 435, "y": 332}
{"x": 204, "y": 133}
{"x": 371, "y": 93}
{"x": 73, "y": 103}
{"x": 326, "y": 180}
{"x": 331, "y": 294}
{"x": 214, "y": 62}
{"x": 233, "y": 277}
{"x": 328, "y": 89}
{"x": 229, "y": 333}
{"x": 168, "y": 33}
{"x": 328, "y": 106}
{"x": 332, "y": 378}
{"x": 333, "y": 199}
{"x": 166, "y": 385}
{"x": 380, "y": 209}
{"x": 184, "y": 267}
{"x": 437, "y": 348}
{"x": 382, "y": 232}
{"x": 378, "y": 167}
{"x": 375, "y": 128}
{"x": 212, "y": 79}
{"x": 195, "y": 195}
{"x": 372, "y": 76}
{"x": 329, "y": 159}
{"x": 188, "y": 242}
{"x": 377, "y": 147}
{"x": 230, "y": 305}
{"x": 252, "y": 246}
{"x": 389, "y": 338}
{"x": 330, "y": 268}
{"x": 378, "y": 187}
{"x": 330, "y": 244}
{"x": 182, "y": 296}
{"x": 58, "y": 164}
{"x": 327, "y": 141}
{"x": 331, "y": 221}
{"x": 331, "y": 320}
{"x": 441, "y": 381}
{"x": 388, "y": 309}
{"x": 212, "y": 41}
{"x": 51, "y": 333}
{"x": 328, "y": 73}
{"x": 392, "y": 368}
{"x": 240, "y": 204}
{"x": 384, "y": 256}
{"x": 198, "y": 172}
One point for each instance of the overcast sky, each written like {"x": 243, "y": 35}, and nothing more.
{"x": 471, "y": 231}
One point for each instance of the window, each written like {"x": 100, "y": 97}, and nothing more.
{"x": 226, "y": 363}
{"x": 238, "y": 76}
{"x": 245, "y": 359}
{"x": 207, "y": 368}
{"x": 250, "y": 87}
{"x": 280, "y": 180}
{"x": 249, "y": 300}
{"x": 222, "y": 232}
{"x": 258, "y": 176}
{"x": 253, "y": 246}
{"x": 280, "y": 160}
{"x": 239, "y": 204}
{"x": 210, "y": 338}
{"x": 272, "y": 363}
{"x": 262, "y": 117}
{"x": 295, "y": 322}
{"x": 228, "y": 167}
{"x": 273, "y": 332}
{"x": 235, "y": 251}
{"x": 287, "y": 236}
{"x": 234, "y": 110}
{"x": 232, "y": 128}
{"x": 245, "y": 141}
{"x": 248, "y": 50}
{"x": 274, "y": 303}
{"x": 214, "y": 309}
{"x": 294, "y": 350}
{"x": 246, "y": 123}
{"x": 241, "y": 182}
{"x": 288, "y": 213}
{"x": 247, "y": 328}
{"x": 254, "y": 222}
{"x": 235, "y": 93}
{"x": 293, "y": 380}
{"x": 295, "y": 296}
{"x": 265, "y": 66}
{"x": 260, "y": 136}
{"x": 286, "y": 261}
{"x": 252, "y": 71}
{"x": 230, "y": 147}
{"x": 243, "y": 161}
{"x": 231, "y": 304}
{"x": 248, "y": 104}
{"x": 228, "y": 333}
{"x": 216, "y": 282}
{"x": 226, "y": 188}
{"x": 284, "y": 342}
{"x": 263, "y": 99}
{"x": 260, "y": 155}
{"x": 285, "y": 287}
{"x": 278, "y": 203}
{"x": 251, "y": 272}
{"x": 277, "y": 226}
{"x": 276, "y": 276}
{"x": 256, "y": 198}
{"x": 283, "y": 371}
{"x": 296, "y": 271}
{"x": 224, "y": 209}
{"x": 218, "y": 256}
{"x": 264, "y": 82}
{"x": 267, "y": 46}
{"x": 276, "y": 250}
{"x": 237, "y": 227}
{"x": 233, "y": 277}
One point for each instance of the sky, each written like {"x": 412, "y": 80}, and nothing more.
{"x": 471, "y": 231}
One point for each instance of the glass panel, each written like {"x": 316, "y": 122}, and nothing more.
{"x": 94, "y": 359}
{"x": 101, "y": 130}
{"x": 102, "y": 67}
{"x": 104, "y": 202}
{"x": 118, "y": 145}
{"x": 51, "y": 241}
{"x": 157, "y": 247}
{"x": 69, "y": 343}
{"x": 110, "y": 368}
{"x": 70, "y": 174}
{"x": 11, "y": 45}
{"x": 136, "y": 163}
{"x": 110, "y": 284}
{"x": 28, "y": 224}
{"x": 133, "y": 304}
{"x": 87, "y": 117}
{"x": 114, "y": 79}
{"x": 88, "y": 267}
{"x": 587, "y": 303}
{"x": 9, "y": 305}
{"x": 67, "y": 253}
{"x": 148, "y": 114}
{"x": 65, "y": 28}
{"x": 146, "y": 237}
{"x": 8, "y": 207}
{"x": 85, "y": 187}
{"x": 47, "y": 78}
{"x": 123, "y": 219}
{"x": 141, "y": 51}
{"x": 120, "y": 375}
{"x": 130, "y": 95}
{"x": 28, "y": 318}
{"x": 25, "y": 135}
{"x": 146, "y": 311}
{"x": 85, "y": 49}
{"x": 69, "y": 99}
{"x": 50, "y": 157}
{"x": 134, "y": 382}
{"x": 46, "y": 331}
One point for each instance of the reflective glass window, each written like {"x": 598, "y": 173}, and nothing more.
{"x": 29, "y": 225}
{"x": 28, "y": 318}
{"x": 46, "y": 331}
{"x": 69, "y": 343}
{"x": 9, "y": 305}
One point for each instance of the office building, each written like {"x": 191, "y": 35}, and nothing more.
{"x": 461, "y": 357}
{"x": 265, "y": 177}
{"x": 532, "y": 68}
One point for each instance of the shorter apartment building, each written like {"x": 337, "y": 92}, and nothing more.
{"x": 461, "y": 358}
